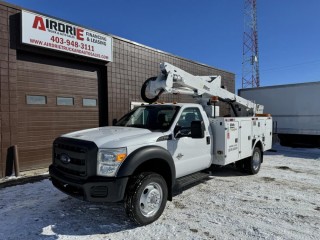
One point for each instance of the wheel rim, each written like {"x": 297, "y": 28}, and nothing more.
{"x": 256, "y": 160}
{"x": 151, "y": 199}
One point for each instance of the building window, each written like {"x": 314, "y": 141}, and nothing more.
{"x": 65, "y": 101}
{"x": 89, "y": 102}
{"x": 32, "y": 99}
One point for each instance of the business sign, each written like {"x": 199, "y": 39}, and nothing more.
{"x": 42, "y": 31}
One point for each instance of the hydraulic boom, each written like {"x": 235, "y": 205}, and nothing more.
{"x": 174, "y": 80}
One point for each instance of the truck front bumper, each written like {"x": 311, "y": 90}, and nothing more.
{"x": 92, "y": 190}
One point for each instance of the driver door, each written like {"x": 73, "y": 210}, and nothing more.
{"x": 190, "y": 154}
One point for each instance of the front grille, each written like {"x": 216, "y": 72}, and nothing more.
{"x": 74, "y": 161}
{"x": 71, "y": 171}
{"x": 76, "y": 164}
{"x": 77, "y": 149}
{"x": 75, "y": 158}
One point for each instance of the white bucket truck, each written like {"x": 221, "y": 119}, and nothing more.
{"x": 158, "y": 148}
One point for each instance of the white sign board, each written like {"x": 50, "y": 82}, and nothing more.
{"x": 42, "y": 31}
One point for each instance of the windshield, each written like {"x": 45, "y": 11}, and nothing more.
{"x": 153, "y": 117}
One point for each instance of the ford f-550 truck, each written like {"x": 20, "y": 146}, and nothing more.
{"x": 158, "y": 148}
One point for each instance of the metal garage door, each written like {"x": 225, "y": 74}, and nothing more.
{"x": 54, "y": 97}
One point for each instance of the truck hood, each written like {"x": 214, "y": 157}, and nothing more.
{"x": 115, "y": 137}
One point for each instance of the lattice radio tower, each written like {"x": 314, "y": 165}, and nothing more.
{"x": 250, "y": 60}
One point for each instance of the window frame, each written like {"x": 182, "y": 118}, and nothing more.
{"x": 84, "y": 99}
{"x": 62, "y": 97}
{"x": 29, "y": 96}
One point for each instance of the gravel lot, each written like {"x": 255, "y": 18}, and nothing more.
{"x": 281, "y": 202}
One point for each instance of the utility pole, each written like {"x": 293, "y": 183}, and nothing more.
{"x": 250, "y": 60}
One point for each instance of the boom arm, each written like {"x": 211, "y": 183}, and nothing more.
{"x": 177, "y": 81}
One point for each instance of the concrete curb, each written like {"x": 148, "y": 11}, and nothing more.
{"x": 23, "y": 180}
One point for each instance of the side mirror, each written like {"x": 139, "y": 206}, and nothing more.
{"x": 197, "y": 129}
{"x": 114, "y": 122}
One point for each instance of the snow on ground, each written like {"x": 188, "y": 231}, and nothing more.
{"x": 281, "y": 202}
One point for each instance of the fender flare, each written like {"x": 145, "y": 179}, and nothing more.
{"x": 142, "y": 155}
{"x": 255, "y": 143}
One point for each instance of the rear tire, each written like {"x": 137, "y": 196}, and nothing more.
{"x": 252, "y": 164}
{"x": 146, "y": 198}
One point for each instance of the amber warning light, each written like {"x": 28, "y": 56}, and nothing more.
{"x": 215, "y": 99}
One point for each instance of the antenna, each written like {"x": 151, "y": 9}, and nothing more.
{"x": 250, "y": 59}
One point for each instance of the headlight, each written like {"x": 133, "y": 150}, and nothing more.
{"x": 109, "y": 161}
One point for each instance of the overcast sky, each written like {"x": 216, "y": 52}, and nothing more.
{"x": 208, "y": 31}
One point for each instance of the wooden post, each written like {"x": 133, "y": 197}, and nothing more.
{"x": 9, "y": 162}
{"x": 16, "y": 160}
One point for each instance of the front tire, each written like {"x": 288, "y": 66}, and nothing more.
{"x": 146, "y": 198}
{"x": 253, "y": 163}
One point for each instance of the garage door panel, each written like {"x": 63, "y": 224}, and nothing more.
{"x": 50, "y": 87}
{"x": 46, "y": 75}
{"x": 28, "y": 82}
{"x": 33, "y": 63}
{"x": 29, "y": 133}
{"x": 1, "y": 162}
{"x": 27, "y": 164}
{"x": 34, "y": 147}
{"x": 64, "y": 109}
{"x": 57, "y": 125}
{"x": 61, "y": 80}
{"x": 39, "y": 125}
{"x": 33, "y": 134}
{"x": 44, "y": 89}
{"x": 51, "y": 116}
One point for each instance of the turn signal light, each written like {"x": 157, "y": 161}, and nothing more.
{"x": 121, "y": 157}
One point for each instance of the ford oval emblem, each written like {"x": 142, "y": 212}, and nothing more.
{"x": 64, "y": 158}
